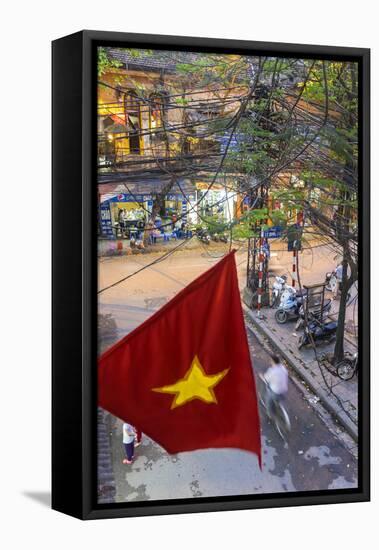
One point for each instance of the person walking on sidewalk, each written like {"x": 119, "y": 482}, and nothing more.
{"x": 276, "y": 377}
{"x": 128, "y": 435}
{"x": 337, "y": 287}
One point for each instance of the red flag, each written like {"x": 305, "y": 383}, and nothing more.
{"x": 184, "y": 377}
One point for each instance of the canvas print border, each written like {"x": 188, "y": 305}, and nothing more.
{"x": 87, "y": 506}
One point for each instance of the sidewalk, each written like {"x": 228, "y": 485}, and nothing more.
{"x": 313, "y": 265}
{"x": 121, "y": 247}
{"x": 284, "y": 339}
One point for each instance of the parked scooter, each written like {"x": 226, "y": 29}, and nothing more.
{"x": 290, "y": 303}
{"x": 290, "y": 292}
{"x": 220, "y": 237}
{"x": 318, "y": 332}
{"x": 288, "y": 309}
{"x": 277, "y": 290}
{"x": 315, "y": 314}
{"x": 203, "y": 235}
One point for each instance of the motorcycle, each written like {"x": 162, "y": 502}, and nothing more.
{"x": 348, "y": 366}
{"x": 277, "y": 290}
{"x": 290, "y": 292}
{"x": 203, "y": 235}
{"x": 314, "y": 315}
{"x": 220, "y": 237}
{"x": 290, "y": 302}
{"x": 288, "y": 309}
{"x": 277, "y": 412}
{"x": 318, "y": 332}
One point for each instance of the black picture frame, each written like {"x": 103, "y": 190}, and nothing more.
{"x": 74, "y": 297}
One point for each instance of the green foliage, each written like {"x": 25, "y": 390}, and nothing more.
{"x": 243, "y": 230}
{"x": 186, "y": 68}
{"x": 104, "y": 64}
{"x": 209, "y": 69}
{"x": 181, "y": 101}
{"x": 278, "y": 217}
{"x": 214, "y": 224}
{"x": 137, "y": 53}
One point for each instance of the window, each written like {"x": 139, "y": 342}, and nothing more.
{"x": 132, "y": 106}
{"x": 156, "y": 111}
{"x": 106, "y": 150}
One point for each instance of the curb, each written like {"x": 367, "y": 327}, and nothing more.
{"x": 106, "y": 487}
{"x": 328, "y": 403}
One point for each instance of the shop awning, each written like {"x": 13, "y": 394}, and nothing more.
{"x": 144, "y": 187}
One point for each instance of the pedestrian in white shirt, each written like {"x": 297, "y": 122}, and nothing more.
{"x": 128, "y": 435}
{"x": 338, "y": 280}
{"x": 276, "y": 377}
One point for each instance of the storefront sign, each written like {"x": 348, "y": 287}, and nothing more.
{"x": 130, "y": 197}
{"x": 273, "y": 232}
{"x": 106, "y": 220}
{"x": 137, "y": 197}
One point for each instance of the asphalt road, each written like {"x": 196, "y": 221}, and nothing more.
{"x": 131, "y": 301}
{"x": 313, "y": 458}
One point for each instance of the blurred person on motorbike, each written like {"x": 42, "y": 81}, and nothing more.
{"x": 276, "y": 377}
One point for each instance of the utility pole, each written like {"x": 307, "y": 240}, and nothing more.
{"x": 256, "y": 291}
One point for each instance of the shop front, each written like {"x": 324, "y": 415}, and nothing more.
{"x": 215, "y": 201}
{"x": 124, "y": 215}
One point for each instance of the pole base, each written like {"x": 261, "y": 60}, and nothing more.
{"x": 250, "y": 298}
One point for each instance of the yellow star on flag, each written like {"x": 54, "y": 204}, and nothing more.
{"x": 196, "y": 384}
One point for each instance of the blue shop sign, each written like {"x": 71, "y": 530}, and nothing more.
{"x": 273, "y": 232}
{"x": 130, "y": 197}
{"x": 137, "y": 197}
{"x": 106, "y": 219}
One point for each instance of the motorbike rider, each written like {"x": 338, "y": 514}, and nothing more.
{"x": 276, "y": 377}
